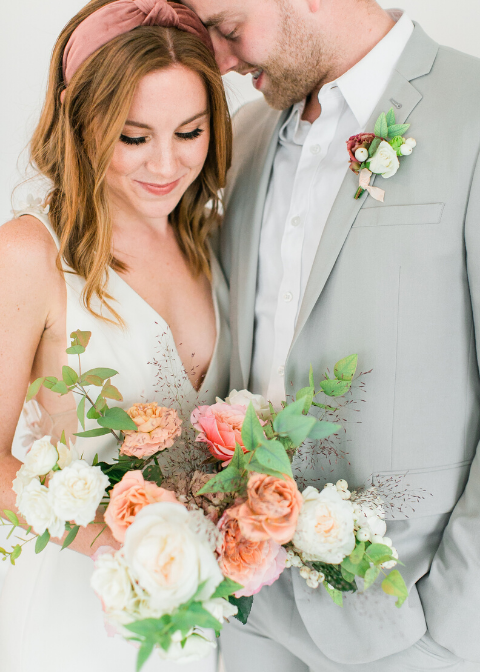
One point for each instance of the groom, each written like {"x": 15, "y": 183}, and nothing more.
{"x": 316, "y": 275}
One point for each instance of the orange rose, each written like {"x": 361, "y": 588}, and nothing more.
{"x": 129, "y": 497}
{"x": 271, "y": 510}
{"x": 158, "y": 427}
{"x": 252, "y": 564}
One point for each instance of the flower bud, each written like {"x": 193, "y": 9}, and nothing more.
{"x": 312, "y": 584}
{"x": 342, "y": 485}
{"x": 377, "y": 539}
{"x": 345, "y": 494}
{"x": 363, "y": 534}
{"x": 305, "y": 572}
{"x": 406, "y": 150}
{"x": 387, "y": 541}
{"x": 411, "y": 142}
{"x": 361, "y": 154}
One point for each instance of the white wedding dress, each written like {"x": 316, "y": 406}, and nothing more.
{"x": 50, "y": 618}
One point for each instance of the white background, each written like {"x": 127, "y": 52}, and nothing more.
{"x": 28, "y": 31}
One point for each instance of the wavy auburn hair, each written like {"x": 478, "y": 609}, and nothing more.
{"x": 73, "y": 145}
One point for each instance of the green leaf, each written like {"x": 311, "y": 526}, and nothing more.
{"x": 75, "y": 350}
{"x": 374, "y": 146}
{"x": 357, "y": 569}
{"x": 377, "y": 552}
{"x": 70, "y": 536}
{"x": 238, "y": 459}
{"x": 396, "y": 142}
{"x": 226, "y": 588}
{"x": 63, "y": 438}
{"x": 102, "y": 372}
{"x": 356, "y": 556}
{"x": 34, "y": 388}
{"x": 69, "y": 376}
{"x": 348, "y": 576}
{"x": 60, "y": 388}
{"x": 42, "y": 541}
{"x": 397, "y": 129}
{"x": 311, "y": 380}
{"x": 322, "y": 429}
{"x": 244, "y": 606}
{"x": 335, "y": 594}
{"x": 144, "y": 654}
{"x": 12, "y": 517}
{"x": 93, "y": 414}
{"x": 335, "y": 387}
{"x": 95, "y": 460}
{"x": 194, "y": 615}
{"x": 117, "y": 418}
{"x": 391, "y": 117}
{"x": 15, "y": 553}
{"x": 50, "y": 381}
{"x": 81, "y": 337}
{"x": 381, "y": 127}
{"x": 307, "y": 394}
{"x": 90, "y": 433}
{"x": 147, "y": 627}
{"x": 346, "y": 367}
{"x": 92, "y": 380}
{"x": 227, "y": 480}
{"x": 110, "y": 392}
{"x": 252, "y": 432}
{"x": 272, "y": 455}
{"x": 153, "y": 473}
{"x": 81, "y": 412}
{"x": 100, "y": 403}
{"x": 292, "y": 423}
{"x": 370, "y": 577}
{"x": 393, "y": 584}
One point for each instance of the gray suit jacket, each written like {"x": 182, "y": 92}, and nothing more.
{"x": 398, "y": 283}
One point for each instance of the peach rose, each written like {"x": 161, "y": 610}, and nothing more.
{"x": 129, "y": 497}
{"x": 220, "y": 427}
{"x": 158, "y": 427}
{"x": 253, "y": 564}
{"x": 271, "y": 510}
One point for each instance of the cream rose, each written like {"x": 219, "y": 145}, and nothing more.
{"x": 167, "y": 558}
{"x": 325, "y": 527}
{"x": 66, "y": 455}
{"x": 385, "y": 160}
{"x": 195, "y": 648}
{"x": 21, "y": 481}
{"x": 113, "y": 585}
{"x": 35, "y": 505}
{"x": 77, "y": 492}
{"x": 41, "y": 458}
{"x": 244, "y": 397}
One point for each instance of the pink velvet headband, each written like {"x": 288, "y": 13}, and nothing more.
{"x": 120, "y": 17}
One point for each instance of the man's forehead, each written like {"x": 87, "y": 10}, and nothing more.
{"x": 213, "y": 12}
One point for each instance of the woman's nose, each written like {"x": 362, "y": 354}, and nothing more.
{"x": 163, "y": 160}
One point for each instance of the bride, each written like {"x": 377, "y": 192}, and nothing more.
{"x": 135, "y": 140}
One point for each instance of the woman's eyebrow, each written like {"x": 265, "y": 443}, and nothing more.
{"x": 197, "y": 116}
{"x": 138, "y": 124}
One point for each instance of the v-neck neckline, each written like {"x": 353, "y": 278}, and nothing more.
{"x": 150, "y": 308}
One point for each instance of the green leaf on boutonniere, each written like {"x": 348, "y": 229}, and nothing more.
{"x": 381, "y": 127}
{"x": 374, "y": 146}
{"x": 356, "y": 556}
{"x": 397, "y": 129}
{"x": 311, "y": 380}
{"x": 391, "y": 117}
{"x": 396, "y": 142}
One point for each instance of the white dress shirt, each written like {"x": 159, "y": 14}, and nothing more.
{"x": 309, "y": 167}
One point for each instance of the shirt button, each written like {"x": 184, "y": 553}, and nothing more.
{"x": 296, "y": 221}
{"x": 281, "y": 370}
{"x": 287, "y": 297}
{"x": 315, "y": 149}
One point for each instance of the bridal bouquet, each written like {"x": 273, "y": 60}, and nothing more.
{"x": 197, "y": 545}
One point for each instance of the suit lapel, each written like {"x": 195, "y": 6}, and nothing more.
{"x": 416, "y": 60}
{"x": 243, "y": 290}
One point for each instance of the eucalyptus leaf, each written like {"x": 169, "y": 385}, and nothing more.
{"x": 357, "y": 569}
{"x": 356, "y": 556}
{"x": 375, "y": 552}
{"x": 255, "y": 465}
{"x": 144, "y": 654}
{"x": 147, "y": 627}
{"x": 322, "y": 429}
{"x": 273, "y": 455}
{"x": 117, "y": 418}
{"x": 69, "y": 376}
{"x": 60, "y": 388}
{"x": 70, "y": 536}
{"x": 393, "y": 584}
{"x": 12, "y": 517}
{"x": 75, "y": 350}
{"x": 307, "y": 394}
{"x": 42, "y": 541}
{"x": 348, "y": 576}
{"x": 102, "y": 372}
{"x": 346, "y": 367}
{"x": 292, "y": 423}
{"x": 90, "y": 433}
{"x": 81, "y": 337}
{"x": 370, "y": 577}
{"x": 335, "y": 387}
{"x": 195, "y": 616}
{"x": 81, "y": 412}
{"x": 93, "y": 413}
{"x": 227, "y": 480}
{"x": 50, "y": 381}
{"x": 34, "y": 388}
{"x": 109, "y": 391}
{"x": 311, "y": 380}
{"x": 92, "y": 380}
{"x": 17, "y": 550}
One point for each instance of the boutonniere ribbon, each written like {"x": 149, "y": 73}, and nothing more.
{"x": 379, "y": 153}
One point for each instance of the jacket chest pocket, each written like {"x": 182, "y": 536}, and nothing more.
{"x": 400, "y": 215}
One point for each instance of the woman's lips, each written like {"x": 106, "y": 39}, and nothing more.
{"x": 158, "y": 189}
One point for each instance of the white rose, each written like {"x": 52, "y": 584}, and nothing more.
{"x": 77, "y": 492}
{"x": 41, "y": 458}
{"x": 325, "y": 529}
{"x": 113, "y": 585}
{"x": 220, "y": 608}
{"x": 66, "y": 455}
{"x": 385, "y": 160}
{"x": 244, "y": 397}
{"x": 195, "y": 648}
{"x": 21, "y": 481}
{"x": 35, "y": 505}
{"x": 167, "y": 558}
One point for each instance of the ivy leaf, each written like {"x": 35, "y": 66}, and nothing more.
{"x": 109, "y": 391}
{"x": 252, "y": 432}
{"x": 34, "y": 388}
{"x": 81, "y": 412}
{"x": 335, "y": 594}
{"x": 393, "y": 584}
{"x": 80, "y": 337}
{"x": 373, "y": 147}
{"x": 391, "y": 117}
{"x": 292, "y": 423}
{"x": 75, "y": 350}
{"x": 335, "y": 387}
{"x": 370, "y": 577}
{"x": 397, "y": 129}
{"x": 42, "y": 541}
{"x": 70, "y": 536}
{"x": 244, "y": 606}
{"x": 358, "y": 569}
{"x": 378, "y": 553}
{"x": 144, "y": 654}
{"x": 226, "y": 588}
{"x": 272, "y": 455}
{"x": 92, "y": 433}
{"x": 117, "y": 418}
{"x": 381, "y": 126}
{"x": 346, "y": 367}
{"x": 322, "y": 429}
{"x": 69, "y": 376}
{"x": 307, "y": 394}
{"x": 12, "y": 517}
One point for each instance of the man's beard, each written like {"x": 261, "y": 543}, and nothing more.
{"x": 301, "y": 62}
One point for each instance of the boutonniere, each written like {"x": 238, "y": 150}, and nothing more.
{"x": 379, "y": 152}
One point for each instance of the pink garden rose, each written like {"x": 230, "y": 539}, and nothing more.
{"x": 354, "y": 143}
{"x": 129, "y": 497}
{"x": 271, "y": 510}
{"x": 220, "y": 427}
{"x": 253, "y": 564}
{"x": 158, "y": 427}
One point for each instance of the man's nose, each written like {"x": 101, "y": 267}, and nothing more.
{"x": 226, "y": 59}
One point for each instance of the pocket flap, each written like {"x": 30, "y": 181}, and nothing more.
{"x": 400, "y": 215}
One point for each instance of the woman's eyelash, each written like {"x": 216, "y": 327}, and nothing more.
{"x": 191, "y": 135}
{"x": 132, "y": 141}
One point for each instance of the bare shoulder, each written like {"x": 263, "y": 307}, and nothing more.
{"x": 25, "y": 241}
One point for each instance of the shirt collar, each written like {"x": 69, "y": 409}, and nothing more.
{"x": 362, "y": 85}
